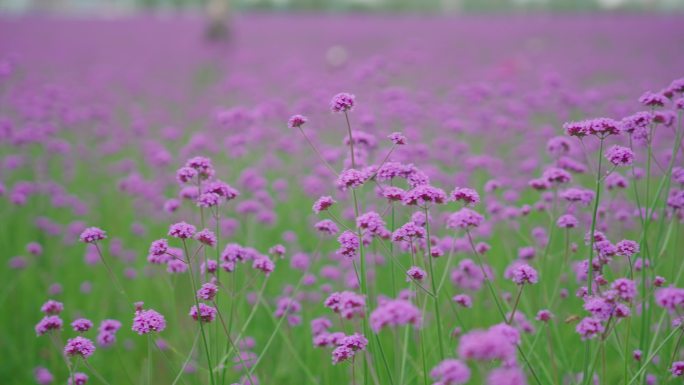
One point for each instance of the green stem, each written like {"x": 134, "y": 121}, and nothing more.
{"x": 199, "y": 319}
{"x": 438, "y": 316}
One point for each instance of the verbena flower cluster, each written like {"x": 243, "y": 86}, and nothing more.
{"x": 323, "y": 215}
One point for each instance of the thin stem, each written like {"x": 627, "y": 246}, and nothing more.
{"x": 317, "y": 152}
{"x": 199, "y": 319}
{"x": 434, "y": 286}
{"x": 515, "y": 305}
{"x": 590, "y": 265}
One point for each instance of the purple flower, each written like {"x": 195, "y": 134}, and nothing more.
{"x": 48, "y": 323}
{"x": 206, "y": 237}
{"x": 466, "y": 195}
{"x": 415, "y": 273}
{"x": 463, "y": 300}
{"x": 147, "y": 321}
{"x": 43, "y": 376}
{"x": 350, "y": 178}
{"x": 394, "y": 313}
{"x": 182, "y": 230}
{"x": 625, "y": 288}
{"x": 206, "y": 313}
{"x": 567, "y": 221}
{"x": 397, "y": 138}
{"x": 159, "y": 247}
{"x": 349, "y": 244}
{"x": 208, "y": 199}
{"x": 544, "y": 315}
{"x": 202, "y": 165}
{"x": 327, "y": 227}
{"x": 408, "y": 232}
{"x": 323, "y": 203}
{"x": 207, "y": 292}
{"x": 320, "y": 325}
{"x": 52, "y": 307}
{"x": 505, "y": 375}
{"x": 81, "y": 325}
{"x": 487, "y": 345}
{"x": 346, "y": 303}
{"x": 589, "y": 328}
{"x": 464, "y": 218}
{"x": 78, "y": 379}
{"x": 92, "y": 235}
{"x": 342, "y": 102}
{"x": 620, "y": 156}
{"x": 450, "y": 372}
{"x": 186, "y": 174}
{"x": 651, "y": 99}
{"x": 677, "y": 369}
{"x": 524, "y": 273}
{"x": 341, "y": 353}
{"x": 296, "y": 121}
{"x": 423, "y": 194}
{"x": 372, "y": 222}
{"x": 79, "y": 346}
{"x": 264, "y": 264}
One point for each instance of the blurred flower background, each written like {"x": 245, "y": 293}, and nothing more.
{"x": 341, "y": 192}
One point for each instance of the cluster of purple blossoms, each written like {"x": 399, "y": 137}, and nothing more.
{"x": 670, "y": 298}
{"x": 79, "y": 346}
{"x": 327, "y": 227}
{"x": 43, "y": 376}
{"x": 573, "y": 195}
{"x": 351, "y": 178}
{"x": 148, "y": 321}
{"x": 394, "y": 313}
{"x": 81, "y": 325}
{"x": 263, "y": 264}
{"x": 450, "y": 372}
{"x": 464, "y": 218}
{"x": 507, "y": 375}
{"x": 423, "y": 195}
{"x": 205, "y": 314}
{"x": 290, "y": 308}
{"x": 373, "y": 224}
{"x": 207, "y": 292}
{"x": 182, "y": 230}
{"x": 78, "y": 379}
{"x": 323, "y": 203}
{"x": 468, "y": 275}
{"x": 92, "y": 235}
{"x": 463, "y": 300}
{"x": 342, "y": 102}
{"x": 590, "y": 327}
{"x": 677, "y": 369}
{"x": 620, "y": 156}
{"x": 466, "y": 195}
{"x": 202, "y": 165}
{"x": 296, "y": 121}
{"x": 496, "y": 343}
{"x": 107, "y": 332}
{"x": 349, "y": 244}
{"x": 409, "y": 232}
{"x": 206, "y": 237}
{"x": 522, "y": 274}
{"x": 415, "y": 273}
{"x": 48, "y": 323}
{"x": 397, "y": 138}
{"x": 348, "y": 346}
{"x": 652, "y": 99}
{"x": 600, "y": 127}
{"x": 346, "y": 303}
{"x": 52, "y": 307}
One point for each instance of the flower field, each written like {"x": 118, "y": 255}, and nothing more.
{"x": 359, "y": 199}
